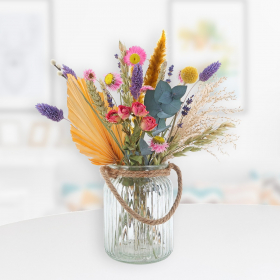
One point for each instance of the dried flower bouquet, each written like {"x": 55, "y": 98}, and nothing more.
{"x": 154, "y": 121}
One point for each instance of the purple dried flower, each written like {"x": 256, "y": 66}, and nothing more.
{"x": 168, "y": 81}
{"x": 170, "y": 70}
{"x": 180, "y": 125}
{"x": 66, "y": 70}
{"x": 136, "y": 80}
{"x": 116, "y": 56}
{"x": 119, "y": 65}
{"x": 110, "y": 101}
{"x": 51, "y": 112}
{"x": 209, "y": 71}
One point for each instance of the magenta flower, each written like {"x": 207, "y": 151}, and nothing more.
{"x": 145, "y": 88}
{"x": 135, "y": 55}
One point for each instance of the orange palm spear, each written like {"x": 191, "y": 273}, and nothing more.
{"x": 87, "y": 130}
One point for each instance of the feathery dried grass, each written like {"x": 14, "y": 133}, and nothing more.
{"x": 206, "y": 124}
{"x": 156, "y": 60}
{"x": 161, "y": 74}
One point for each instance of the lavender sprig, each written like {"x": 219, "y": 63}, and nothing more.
{"x": 51, "y": 112}
{"x": 136, "y": 80}
{"x": 170, "y": 70}
{"x": 209, "y": 71}
{"x": 187, "y": 108}
{"x": 66, "y": 70}
{"x": 110, "y": 100}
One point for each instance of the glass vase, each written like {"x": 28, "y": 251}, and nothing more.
{"x": 127, "y": 239}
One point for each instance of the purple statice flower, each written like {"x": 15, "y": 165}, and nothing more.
{"x": 66, "y": 70}
{"x": 119, "y": 65}
{"x": 51, "y": 112}
{"x": 116, "y": 56}
{"x": 136, "y": 80}
{"x": 209, "y": 71}
{"x": 110, "y": 100}
{"x": 168, "y": 81}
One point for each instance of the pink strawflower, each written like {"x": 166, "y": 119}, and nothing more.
{"x": 158, "y": 147}
{"x": 89, "y": 75}
{"x": 113, "y": 81}
{"x": 135, "y": 55}
{"x": 145, "y": 88}
{"x": 180, "y": 78}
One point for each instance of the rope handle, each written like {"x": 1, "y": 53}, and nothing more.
{"x": 107, "y": 173}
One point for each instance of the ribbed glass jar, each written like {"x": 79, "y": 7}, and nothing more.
{"x": 127, "y": 239}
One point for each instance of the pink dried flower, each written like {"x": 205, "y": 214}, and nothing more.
{"x": 89, "y": 75}
{"x": 180, "y": 78}
{"x": 139, "y": 109}
{"x": 113, "y": 117}
{"x": 158, "y": 145}
{"x": 145, "y": 88}
{"x": 124, "y": 112}
{"x": 148, "y": 123}
{"x": 113, "y": 81}
{"x": 135, "y": 55}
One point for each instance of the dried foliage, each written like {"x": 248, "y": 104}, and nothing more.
{"x": 161, "y": 74}
{"x": 97, "y": 101}
{"x": 156, "y": 61}
{"x": 206, "y": 124}
{"x": 126, "y": 96}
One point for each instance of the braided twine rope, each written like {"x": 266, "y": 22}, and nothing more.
{"x": 108, "y": 173}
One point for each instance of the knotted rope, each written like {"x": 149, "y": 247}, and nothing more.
{"x": 108, "y": 173}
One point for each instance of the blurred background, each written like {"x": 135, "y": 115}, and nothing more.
{"x": 42, "y": 172}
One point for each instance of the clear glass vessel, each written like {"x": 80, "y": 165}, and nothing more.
{"x": 127, "y": 239}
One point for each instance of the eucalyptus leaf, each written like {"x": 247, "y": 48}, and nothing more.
{"x": 151, "y": 104}
{"x": 165, "y": 98}
{"x": 163, "y": 115}
{"x": 158, "y": 131}
{"x": 172, "y": 108}
{"x": 161, "y": 124}
{"x": 160, "y": 89}
{"x": 179, "y": 91}
{"x": 144, "y": 148}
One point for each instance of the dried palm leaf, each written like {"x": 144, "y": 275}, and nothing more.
{"x": 89, "y": 130}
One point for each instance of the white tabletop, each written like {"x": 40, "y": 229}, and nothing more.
{"x": 211, "y": 242}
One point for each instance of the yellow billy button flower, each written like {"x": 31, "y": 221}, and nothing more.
{"x": 109, "y": 79}
{"x": 189, "y": 75}
{"x": 134, "y": 58}
{"x": 158, "y": 140}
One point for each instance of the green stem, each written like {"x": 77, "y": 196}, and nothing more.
{"x": 172, "y": 127}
